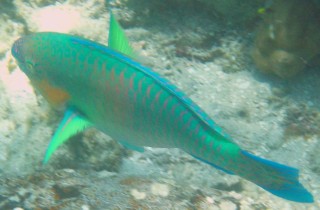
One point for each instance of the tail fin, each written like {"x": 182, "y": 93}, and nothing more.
{"x": 277, "y": 179}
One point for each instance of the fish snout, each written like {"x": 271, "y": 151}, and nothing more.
{"x": 16, "y": 50}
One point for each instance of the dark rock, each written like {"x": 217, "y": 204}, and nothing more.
{"x": 289, "y": 38}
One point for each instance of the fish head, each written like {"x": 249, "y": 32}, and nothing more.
{"x": 34, "y": 55}
{"x": 29, "y": 55}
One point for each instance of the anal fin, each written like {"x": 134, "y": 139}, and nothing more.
{"x": 214, "y": 165}
{"x": 132, "y": 147}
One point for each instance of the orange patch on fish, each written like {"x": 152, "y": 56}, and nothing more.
{"x": 55, "y": 96}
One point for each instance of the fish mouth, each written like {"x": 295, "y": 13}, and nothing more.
{"x": 16, "y": 50}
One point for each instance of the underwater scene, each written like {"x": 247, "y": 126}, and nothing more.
{"x": 148, "y": 104}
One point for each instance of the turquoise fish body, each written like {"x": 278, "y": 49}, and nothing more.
{"x": 137, "y": 107}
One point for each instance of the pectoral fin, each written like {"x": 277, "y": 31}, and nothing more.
{"x": 71, "y": 124}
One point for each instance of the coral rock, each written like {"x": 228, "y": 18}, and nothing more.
{"x": 289, "y": 38}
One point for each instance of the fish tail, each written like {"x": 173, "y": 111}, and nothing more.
{"x": 281, "y": 180}
{"x": 275, "y": 178}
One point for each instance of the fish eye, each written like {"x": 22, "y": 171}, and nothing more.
{"x": 30, "y": 66}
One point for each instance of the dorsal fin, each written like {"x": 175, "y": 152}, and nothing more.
{"x": 117, "y": 38}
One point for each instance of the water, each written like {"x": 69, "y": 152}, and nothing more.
{"x": 202, "y": 47}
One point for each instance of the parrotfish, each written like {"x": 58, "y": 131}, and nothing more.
{"x": 107, "y": 88}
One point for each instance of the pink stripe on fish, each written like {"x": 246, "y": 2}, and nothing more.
{"x": 122, "y": 84}
{"x": 135, "y": 97}
{"x": 218, "y": 149}
{"x": 149, "y": 90}
{"x": 117, "y": 90}
{"x": 121, "y": 78}
{"x": 156, "y": 100}
{"x": 85, "y": 64}
{"x": 195, "y": 132}
{"x": 203, "y": 143}
{"x": 196, "y": 145}
{"x": 103, "y": 74}
{"x": 164, "y": 106}
{"x": 173, "y": 108}
{"x": 77, "y": 59}
{"x": 104, "y": 66}
{"x": 203, "y": 137}
{"x": 181, "y": 115}
{"x": 158, "y": 116}
{"x": 112, "y": 73}
{"x": 131, "y": 80}
{"x": 108, "y": 86}
{"x": 187, "y": 126}
{"x": 211, "y": 144}
{"x": 204, "y": 146}
{"x": 96, "y": 65}
{"x": 140, "y": 85}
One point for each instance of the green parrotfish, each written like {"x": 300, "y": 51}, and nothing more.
{"x": 106, "y": 88}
